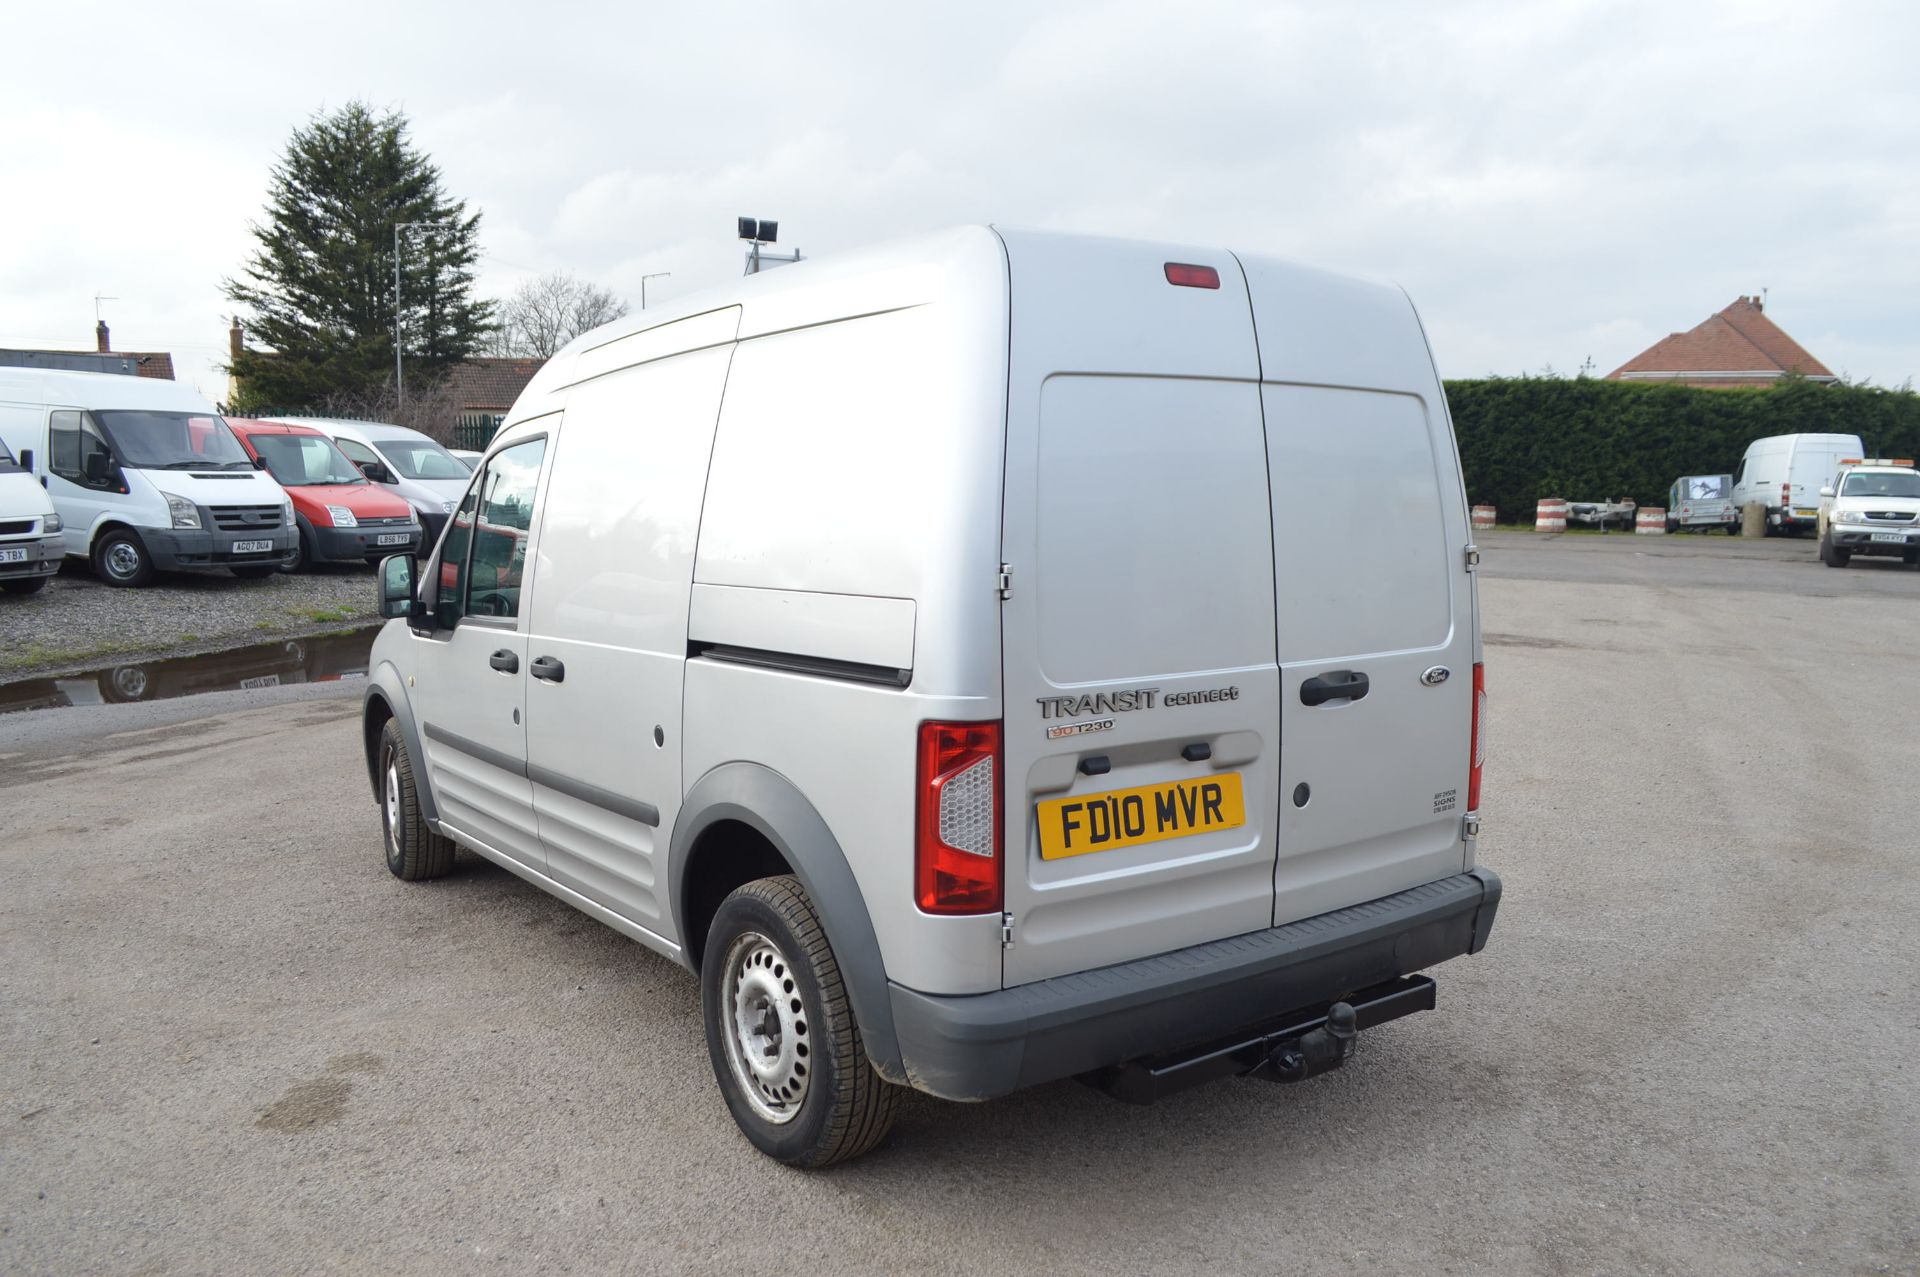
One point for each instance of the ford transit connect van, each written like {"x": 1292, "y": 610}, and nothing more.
{"x": 341, "y": 515}
{"x": 989, "y": 659}
{"x": 31, "y": 546}
{"x": 144, "y": 474}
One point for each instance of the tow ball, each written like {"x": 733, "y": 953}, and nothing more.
{"x": 1319, "y": 1051}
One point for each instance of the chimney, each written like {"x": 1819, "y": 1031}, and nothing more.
{"x": 100, "y": 337}
{"x": 235, "y": 344}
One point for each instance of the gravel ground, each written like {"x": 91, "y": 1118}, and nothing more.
{"x": 230, "y": 1041}
{"x": 77, "y": 622}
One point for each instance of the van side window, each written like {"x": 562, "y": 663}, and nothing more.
{"x": 1740, "y": 470}
{"x": 491, "y": 531}
{"x": 453, "y": 558}
{"x": 73, "y": 438}
{"x": 358, "y": 453}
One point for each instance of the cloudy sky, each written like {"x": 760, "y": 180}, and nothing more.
{"x": 1552, "y": 182}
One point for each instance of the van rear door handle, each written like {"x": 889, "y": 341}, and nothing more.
{"x": 505, "y": 661}
{"x": 1333, "y": 686}
{"x": 548, "y": 669}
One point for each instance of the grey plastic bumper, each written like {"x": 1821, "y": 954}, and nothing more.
{"x": 177, "y": 548}
{"x": 358, "y": 545}
{"x": 977, "y": 1047}
{"x": 44, "y": 556}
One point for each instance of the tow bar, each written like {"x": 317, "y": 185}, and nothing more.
{"x": 1292, "y": 1048}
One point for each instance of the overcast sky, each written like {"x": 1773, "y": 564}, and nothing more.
{"x": 1552, "y": 182}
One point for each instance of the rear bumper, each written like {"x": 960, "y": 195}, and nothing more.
{"x": 984, "y": 1045}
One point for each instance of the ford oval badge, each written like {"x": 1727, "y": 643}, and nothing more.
{"x": 1436, "y": 676}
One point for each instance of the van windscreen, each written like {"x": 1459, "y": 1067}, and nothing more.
{"x": 146, "y": 440}
{"x": 422, "y": 459}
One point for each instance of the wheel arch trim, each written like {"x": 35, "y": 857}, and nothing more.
{"x": 385, "y": 685}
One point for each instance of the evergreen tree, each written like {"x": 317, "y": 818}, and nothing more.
{"x": 320, "y": 285}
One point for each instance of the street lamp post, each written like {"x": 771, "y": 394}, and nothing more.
{"x": 659, "y": 274}
{"x": 399, "y": 373}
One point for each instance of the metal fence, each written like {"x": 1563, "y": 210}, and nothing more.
{"x": 475, "y": 430}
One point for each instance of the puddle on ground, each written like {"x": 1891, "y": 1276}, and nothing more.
{"x": 323, "y": 658}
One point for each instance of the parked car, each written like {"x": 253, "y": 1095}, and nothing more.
{"x": 1784, "y": 473}
{"x": 144, "y": 475}
{"x": 1871, "y": 507}
{"x": 1107, "y": 721}
{"x": 1702, "y": 503}
{"x": 341, "y": 515}
{"x": 31, "y": 546}
{"x": 405, "y": 461}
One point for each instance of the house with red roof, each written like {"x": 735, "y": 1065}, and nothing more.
{"x": 1738, "y": 346}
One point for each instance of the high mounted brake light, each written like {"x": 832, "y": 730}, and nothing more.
{"x": 1188, "y": 276}
{"x": 957, "y": 861}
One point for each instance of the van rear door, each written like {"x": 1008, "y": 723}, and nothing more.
{"x": 1141, "y": 721}
{"x": 1375, "y": 610}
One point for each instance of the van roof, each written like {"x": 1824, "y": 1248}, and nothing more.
{"x": 98, "y": 390}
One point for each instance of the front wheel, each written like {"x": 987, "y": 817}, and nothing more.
{"x": 781, "y": 1035}
{"x": 120, "y": 558}
{"x": 1832, "y": 555}
{"x": 414, "y": 850}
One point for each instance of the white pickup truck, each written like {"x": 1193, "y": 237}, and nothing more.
{"x": 1871, "y": 507}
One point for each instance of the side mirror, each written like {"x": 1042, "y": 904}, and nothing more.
{"x": 260, "y": 462}
{"x": 26, "y": 460}
{"x": 396, "y": 585}
{"x": 377, "y": 472}
{"x": 1827, "y": 491}
{"x": 95, "y": 467}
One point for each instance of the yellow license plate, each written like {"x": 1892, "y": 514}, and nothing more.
{"x": 1147, "y": 813}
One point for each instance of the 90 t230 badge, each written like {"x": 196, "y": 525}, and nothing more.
{"x": 1079, "y": 729}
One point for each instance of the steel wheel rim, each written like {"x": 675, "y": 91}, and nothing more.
{"x": 391, "y": 802}
{"x": 123, "y": 560}
{"x": 765, "y": 1028}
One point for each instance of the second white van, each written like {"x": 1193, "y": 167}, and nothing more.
{"x": 144, "y": 474}
{"x": 1785, "y": 473}
{"x": 31, "y": 546}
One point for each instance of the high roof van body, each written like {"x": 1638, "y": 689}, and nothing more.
{"x": 1784, "y": 473}
{"x": 986, "y": 659}
{"x": 145, "y": 475}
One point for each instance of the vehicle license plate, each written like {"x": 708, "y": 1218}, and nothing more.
{"x": 1146, "y": 813}
{"x": 252, "y": 547}
{"x": 13, "y": 556}
{"x": 1894, "y": 538}
{"x": 1806, "y": 514}
{"x": 391, "y": 538}
{"x": 262, "y": 680}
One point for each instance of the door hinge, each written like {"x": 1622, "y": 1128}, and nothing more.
{"x": 1004, "y": 582}
{"x": 1470, "y": 826}
{"x": 1006, "y": 931}
{"x": 1473, "y": 557}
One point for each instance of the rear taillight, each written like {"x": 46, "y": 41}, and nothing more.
{"x": 1186, "y": 275}
{"x": 956, "y": 855}
{"x": 1479, "y": 735}
{"x": 1786, "y": 495}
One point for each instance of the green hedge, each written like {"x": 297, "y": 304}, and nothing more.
{"x": 1523, "y": 438}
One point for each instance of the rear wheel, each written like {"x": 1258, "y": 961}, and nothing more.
{"x": 1832, "y": 555}
{"x": 120, "y": 558}
{"x": 781, "y": 1035}
{"x": 1733, "y": 529}
{"x": 414, "y": 850}
{"x": 25, "y": 585}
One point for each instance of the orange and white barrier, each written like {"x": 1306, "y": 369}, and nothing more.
{"x": 1550, "y": 515}
{"x": 1650, "y": 521}
{"x": 1483, "y": 517}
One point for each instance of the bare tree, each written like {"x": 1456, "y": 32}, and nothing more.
{"x": 431, "y": 406}
{"x": 545, "y": 314}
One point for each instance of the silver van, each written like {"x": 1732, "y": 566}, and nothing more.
{"x": 988, "y": 659}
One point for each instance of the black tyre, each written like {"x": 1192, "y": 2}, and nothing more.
{"x": 1832, "y": 555}
{"x": 254, "y": 571}
{"x": 25, "y": 585}
{"x": 1733, "y": 529}
{"x": 414, "y": 851}
{"x": 121, "y": 558}
{"x": 781, "y": 1035}
{"x": 302, "y": 556}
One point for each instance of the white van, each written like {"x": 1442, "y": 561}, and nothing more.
{"x": 988, "y": 659}
{"x": 31, "y": 546}
{"x": 1785, "y": 474}
{"x": 145, "y": 475}
{"x": 430, "y": 478}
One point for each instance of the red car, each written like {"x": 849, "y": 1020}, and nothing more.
{"x": 343, "y": 518}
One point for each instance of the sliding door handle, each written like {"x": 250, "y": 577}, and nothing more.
{"x": 548, "y": 669}
{"x": 1335, "y": 685}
